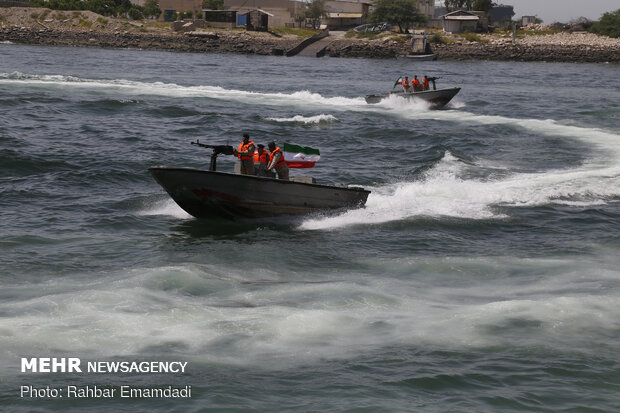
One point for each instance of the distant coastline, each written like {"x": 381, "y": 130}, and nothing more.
{"x": 87, "y": 29}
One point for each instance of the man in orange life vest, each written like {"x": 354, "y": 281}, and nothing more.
{"x": 261, "y": 158}
{"x": 405, "y": 84}
{"x": 415, "y": 83}
{"x": 425, "y": 84}
{"x": 246, "y": 154}
{"x": 276, "y": 161}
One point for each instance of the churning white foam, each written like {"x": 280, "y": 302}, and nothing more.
{"x": 165, "y": 207}
{"x": 115, "y": 86}
{"x": 322, "y": 118}
{"x": 441, "y": 192}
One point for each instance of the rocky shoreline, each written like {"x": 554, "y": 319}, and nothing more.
{"x": 87, "y": 29}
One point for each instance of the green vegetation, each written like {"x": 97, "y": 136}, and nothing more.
{"x": 483, "y": 5}
{"x": 401, "y": 39}
{"x": 151, "y": 8}
{"x": 608, "y": 25}
{"x": 213, "y": 4}
{"x": 314, "y": 11}
{"x": 104, "y": 7}
{"x": 86, "y": 23}
{"x": 403, "y": 13}
{"x": 102, "y": 21}
{"x": 297, "y": 32}
{"x": 439, "y": 38}
{"x": 135, "y": 13}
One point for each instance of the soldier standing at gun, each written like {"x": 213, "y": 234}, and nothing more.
{"x": 246, "y": 154}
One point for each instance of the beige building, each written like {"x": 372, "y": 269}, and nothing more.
{"x": 281, "y": 12}
{"x": 459, "y": 21}
{"x": 343, "y": 14}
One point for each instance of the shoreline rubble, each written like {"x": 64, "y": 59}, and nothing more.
{"x": 87, "y": 29}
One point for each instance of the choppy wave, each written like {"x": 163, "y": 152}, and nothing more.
{"x": 394, "y": 105}
{"x": 443, "y": 191}
{"x": 187, "y": 308}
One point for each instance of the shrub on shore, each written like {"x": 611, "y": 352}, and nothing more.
{"x": 296, "y": 31}
{"x": 608, "y": 25}
{"x": 438, "y": 38}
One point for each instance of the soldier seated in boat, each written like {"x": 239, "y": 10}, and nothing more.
{"x": 246, "y": 154}
{"x": 276, "y": 161}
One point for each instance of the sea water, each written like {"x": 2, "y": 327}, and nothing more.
{"x": 481, "y": 276}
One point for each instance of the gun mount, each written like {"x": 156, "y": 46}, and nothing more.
{"x": 217, "y": 150}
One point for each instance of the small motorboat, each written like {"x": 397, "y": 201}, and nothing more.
{"x": 212, "y": 194}
{"x": 419, "y": 57}
{"x": 437, "y": 98}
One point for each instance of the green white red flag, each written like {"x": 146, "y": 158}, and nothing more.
{"x": 297, "y": 156}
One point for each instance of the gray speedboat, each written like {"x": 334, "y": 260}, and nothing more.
{"x": 208, "y": 194}
{"x": 437, "y": 98}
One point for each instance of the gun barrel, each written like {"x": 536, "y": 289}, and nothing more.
{"x": 218, "y": 149}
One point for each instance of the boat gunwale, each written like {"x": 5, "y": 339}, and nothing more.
{"x": 260, "y": 178}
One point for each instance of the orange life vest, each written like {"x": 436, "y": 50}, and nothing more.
{"x": 405, "y": 83}
{"x": 415, "y": 82}
{"x": 244, "y": 147}
{"x": 258, "y": 158}
{"x": 272, "y": 154}
{"x": 425, "y": 82}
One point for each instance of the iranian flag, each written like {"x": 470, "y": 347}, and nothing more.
{"x": 297, "y": 156}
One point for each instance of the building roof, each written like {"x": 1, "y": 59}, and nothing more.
{"x": 462, "y": 15}
{"x": 260, "y": 11}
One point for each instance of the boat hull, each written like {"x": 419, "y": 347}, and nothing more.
{"x": 437, "y": 98}
{"x": 418, "y": 57}
{"x": 208, "y": 194}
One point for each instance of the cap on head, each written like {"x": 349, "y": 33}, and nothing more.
{"x": 260, "y": 146}
{"x": 271, "y": 145}
{"x": 245, "y": 135}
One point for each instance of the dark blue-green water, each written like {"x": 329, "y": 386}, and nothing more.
{"x": 481, "y": 276}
